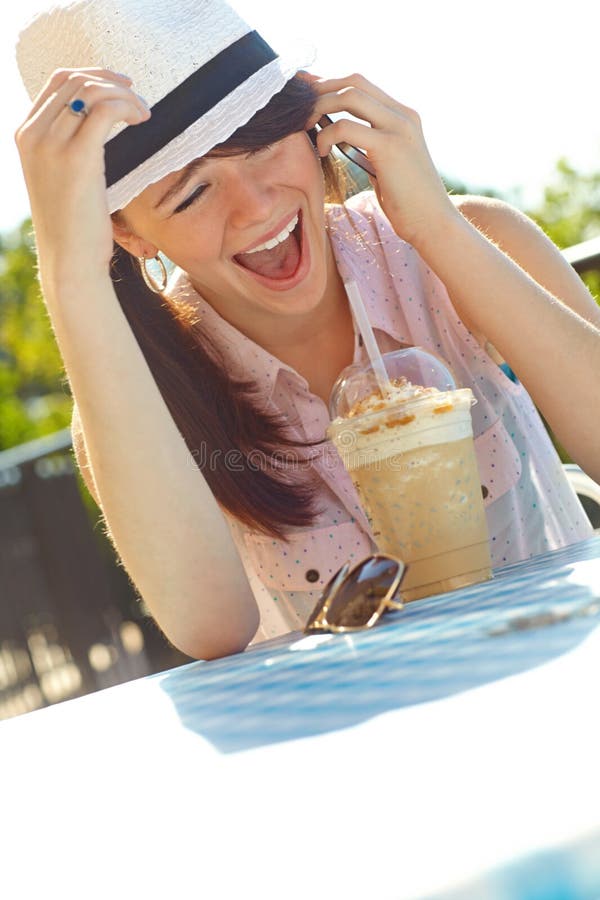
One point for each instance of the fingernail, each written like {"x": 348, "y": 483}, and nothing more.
{"x": 126, "y": 77}
{"x": 145, "y": 102}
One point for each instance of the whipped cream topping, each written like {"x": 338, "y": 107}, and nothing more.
{"x": 412, "y": 416}
{"x": 402, "y": 391}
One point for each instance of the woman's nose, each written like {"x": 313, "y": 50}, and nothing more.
{"x": 251, "y": 201}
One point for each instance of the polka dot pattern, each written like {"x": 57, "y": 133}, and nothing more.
{"x": 530, "y": 506}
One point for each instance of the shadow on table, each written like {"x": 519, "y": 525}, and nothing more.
{"x": 297, "y": 686}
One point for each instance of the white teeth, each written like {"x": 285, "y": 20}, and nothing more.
{"x": 268, "y": 245}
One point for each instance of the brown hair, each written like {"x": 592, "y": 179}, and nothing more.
{"x": 222, "y": 420}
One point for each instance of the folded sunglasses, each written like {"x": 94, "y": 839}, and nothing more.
{"x": 356, "y": 598}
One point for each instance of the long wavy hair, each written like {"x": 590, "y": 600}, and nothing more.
{"x": 222, "y": 418}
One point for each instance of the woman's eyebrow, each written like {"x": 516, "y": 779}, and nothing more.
{"x": 186, "y": 173}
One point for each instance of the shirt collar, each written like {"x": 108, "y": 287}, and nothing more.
{"x": 358, "y": 256}
{"x": 246, "y": 358}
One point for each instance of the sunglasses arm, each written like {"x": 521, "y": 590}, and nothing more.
{"x": 395, "y": 604}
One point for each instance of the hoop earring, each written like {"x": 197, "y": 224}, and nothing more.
{"x": 149, "y": 279}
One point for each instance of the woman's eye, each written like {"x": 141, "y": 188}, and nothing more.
{"x": 192, "y": 198}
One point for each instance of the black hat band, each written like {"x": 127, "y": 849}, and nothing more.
{"x": 185, "y": 104}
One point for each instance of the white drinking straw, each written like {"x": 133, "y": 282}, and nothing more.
{"x": 364, "y": 326}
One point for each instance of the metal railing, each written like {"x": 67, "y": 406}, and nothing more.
{"x": 584, "y": 257}
{"x": 70, "y": 619}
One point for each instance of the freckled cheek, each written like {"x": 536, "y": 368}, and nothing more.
{"x": 199, "y": 246}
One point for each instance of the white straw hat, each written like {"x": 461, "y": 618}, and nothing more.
{"x": 200, "y": 67}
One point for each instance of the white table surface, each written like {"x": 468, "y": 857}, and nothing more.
{"x": 452, "y": 752}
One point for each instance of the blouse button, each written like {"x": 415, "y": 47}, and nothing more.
{"x": 484, "y": 491}
{"x": 312, "y": 575}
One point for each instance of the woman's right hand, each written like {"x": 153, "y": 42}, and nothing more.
{"x": 62, "y": 155}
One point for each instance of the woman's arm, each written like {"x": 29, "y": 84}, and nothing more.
{"x": 179, "y": 553}
{"x": 513, "y": 284}
{"x": 159, "y": 511}
{"x": 81, "y": 456}
{"x": 524, "y": 242}
{"x": 170, "y": 533}
{"x": 548, "y": 330}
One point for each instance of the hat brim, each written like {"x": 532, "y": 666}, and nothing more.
{"x": 235, "y": 110}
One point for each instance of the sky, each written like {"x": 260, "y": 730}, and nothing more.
{"x": 503, "y": 89}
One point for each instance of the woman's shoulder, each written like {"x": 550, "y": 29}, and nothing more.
{"x": 362, "y": 204}
{"x": 363, "y": 213}
{"x": 488, "y": 212}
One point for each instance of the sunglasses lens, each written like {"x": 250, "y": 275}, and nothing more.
{"x": 360, "y": 595}
{"x": 327, "y": 591}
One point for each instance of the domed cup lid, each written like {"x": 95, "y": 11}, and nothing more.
{"x": 419, "y": 367}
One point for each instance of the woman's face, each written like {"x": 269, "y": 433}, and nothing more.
{"x": 214, "y": 218}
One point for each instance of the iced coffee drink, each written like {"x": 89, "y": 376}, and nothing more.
{"x": 411, "y": 458}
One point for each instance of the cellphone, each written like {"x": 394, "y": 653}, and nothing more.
{"x": 358, "y": 157}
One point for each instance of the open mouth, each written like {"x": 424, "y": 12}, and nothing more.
{"x": 280, "y": 263}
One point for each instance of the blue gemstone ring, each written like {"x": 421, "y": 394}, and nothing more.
{"x": 77, "y": 107}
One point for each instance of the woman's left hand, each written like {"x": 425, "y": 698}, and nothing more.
{"x": 407, "y": 184}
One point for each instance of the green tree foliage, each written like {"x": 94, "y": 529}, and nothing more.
{"x": 34, "y": 396}
{"x": 570, "y": 212}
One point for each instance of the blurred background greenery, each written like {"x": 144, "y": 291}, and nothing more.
{"x": 34, "y": 392}
{"x": 34, "y": 395}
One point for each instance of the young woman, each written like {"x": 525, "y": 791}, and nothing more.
{"x": 201, "y": 404}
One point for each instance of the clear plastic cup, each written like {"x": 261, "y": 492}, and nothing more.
{"x": 412, "y": 461}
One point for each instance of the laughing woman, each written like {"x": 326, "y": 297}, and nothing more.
{"x": 200, "y": 400}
